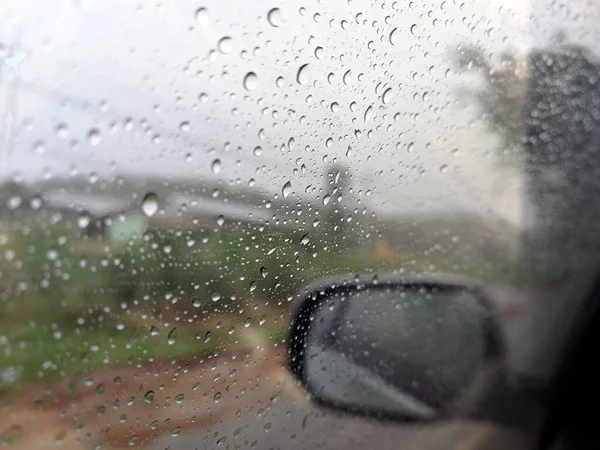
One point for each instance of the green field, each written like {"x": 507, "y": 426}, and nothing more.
{"x": 71, "y": 305}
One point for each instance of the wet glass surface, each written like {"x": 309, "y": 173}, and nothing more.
{"x": 174, "y": 173}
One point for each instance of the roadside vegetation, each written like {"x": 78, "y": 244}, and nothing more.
{"x": 72, "y": 304}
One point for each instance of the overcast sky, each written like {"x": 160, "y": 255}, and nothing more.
{"x": 104, "y": 86}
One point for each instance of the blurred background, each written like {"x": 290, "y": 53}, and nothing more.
{"x": 173, "y": 174}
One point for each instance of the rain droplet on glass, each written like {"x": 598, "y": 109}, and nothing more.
{"x": 150, "y": 204}
{"x": 94, "y": 137}
{"x": 302, "y": 75}
{"x": 393, "y": 36}
{"x": 368, "y": 113}
{"x": 250, "y": 81}
{"x": 84, "y": 219}
{"x": 387, "y": 96}
{"x": 347, "y": 78}
{"x": 149, "y": 397}
{"x": 202, "y": 17}
{"x": 225, "y": 45}
{"x": 216, "y": 166}
{"x": 172, "y": 337}
{"x": 274, "y": 17}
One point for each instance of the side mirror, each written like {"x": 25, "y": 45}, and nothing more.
{"x": 399, "y": 349}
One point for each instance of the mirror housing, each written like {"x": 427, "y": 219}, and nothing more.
{"x": 402, "y": 349}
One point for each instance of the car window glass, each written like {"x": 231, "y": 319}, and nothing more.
{"x": 174, "y": 173}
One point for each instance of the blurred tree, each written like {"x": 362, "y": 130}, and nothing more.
{"x": 501, "y": 97}
{"x": 545, "y": 108}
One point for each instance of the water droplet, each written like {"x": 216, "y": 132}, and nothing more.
{"x": 175, "y": 431}
{"x": 335, "y": 107}
{"x": 247, "y": 322}
{"x": 326, "y": 199}
{"x": 225, "y": 45}
{"x": 250, "y": 81}
{"x": 84, "y": 219}
{"x": 150, "y": 204}
{"x": 149, "y": 397}
{"x": 287, "y": 189}
{"x": 216, "y": 166}
{"x": 62, "y": 131}
{"x": 207, "y": 337}
{"x": 368, "y": 113}
{"x": 410, "y": 148}
{"x": 347, "y": 78}
{"x": 258, "y": 151}
{"x": 264, "y": 272}
{"x": 154, "y": 331}
{"x": 221, "y": 220}
{"x": 215, "y": 297}
{"x": 319, "y": 52}
{"x": 413, "y": 29}
{"x": 443, "y": 169}
{"x": 302, "y": 75}
{"x": 202, "y": 17}
{"x": 36, "y": 202}
{"x": 253, "y": 286}
{"x": 133, "y": 440}
{"x": 274, "y": 17}
{"x": 217, "y": 397}
{"x": 172, "y": 337}
{"x": 387, "y": 96}
{"x": 305, "y": 240}
{"x": 393, "y": 36}
{"x": 52, "y": 255}
{"x": 185, "y": 126}
{"x": 94, "y": 137}
{"x": 179, "y": 398}
{"x": 100, "y": 389}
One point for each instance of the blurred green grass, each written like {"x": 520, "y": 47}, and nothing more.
{"x": 71, "y": 305}
{"x": 42, "y": 353}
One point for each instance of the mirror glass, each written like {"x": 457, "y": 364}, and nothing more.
{"x": 405, "y": 350}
